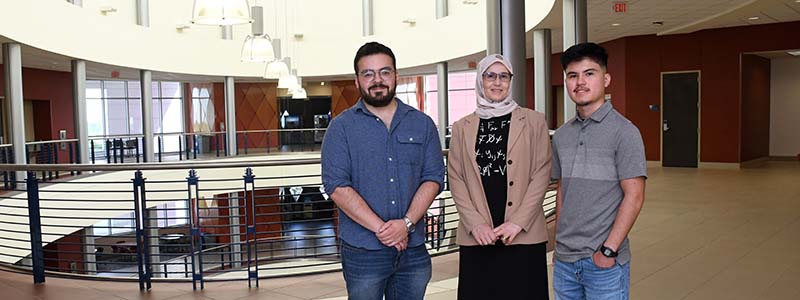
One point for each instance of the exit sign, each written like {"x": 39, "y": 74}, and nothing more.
{"x": 620, "y": 7}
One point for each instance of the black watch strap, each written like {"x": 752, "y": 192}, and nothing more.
{"x": 608, "y": 252}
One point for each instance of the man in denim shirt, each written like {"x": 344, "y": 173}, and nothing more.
{"x": 382, "y": 166}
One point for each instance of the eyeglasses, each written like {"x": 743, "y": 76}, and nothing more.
{"x": 369, "y": 75}
{"x": 491, "y": 76}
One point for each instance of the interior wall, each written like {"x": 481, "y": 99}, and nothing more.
{"x": 784, "y": 107}
{"x": 344, "y": 94}
{"x": 755, "y": 107}
{"x": 256, "y": 109}
{"x": 54, "y": 87}
{"x": 716, "y": 53}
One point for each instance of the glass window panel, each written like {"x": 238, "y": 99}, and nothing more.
{"x": 432, "y": 106}
{"x": 173, "y": 115}
{"x": 157, "y": 116}
{"x": 94, "y": 89}
{"x": 431, "y": 83}
{"x": 195, "y": 92}
{"x": 135, "y": 115}
{"x": 114, "y": 89}
{"x": 134, "y": 89}
{"x": 116, "y": 114}
{"x": 204, "y": 93}
{"x": 171, "y": 90}
{"x": 462, "y": 103}
{"x": 155, "y": 89}
{"x": 94, "y": 116}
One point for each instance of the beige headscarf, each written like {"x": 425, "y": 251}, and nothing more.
{"x": 487, "y": 108}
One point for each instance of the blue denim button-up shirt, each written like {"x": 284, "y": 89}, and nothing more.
{"x": 386, "y": 167}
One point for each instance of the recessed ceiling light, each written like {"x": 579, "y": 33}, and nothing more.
{"x": 796, "y": 52}
{"x": 753, "y": 18}
{"x": 615, "y": 24}
{"x": 322, "y": 83}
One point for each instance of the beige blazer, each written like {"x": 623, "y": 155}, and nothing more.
{"x": 528, "y": 166}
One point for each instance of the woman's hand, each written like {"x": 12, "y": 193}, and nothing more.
{"x": 484, "y": 235}
{"x": 507, "y": 232}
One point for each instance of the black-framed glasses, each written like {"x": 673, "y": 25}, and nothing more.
{"x": 492, "y": 76}
{"x": 369, "y": 75}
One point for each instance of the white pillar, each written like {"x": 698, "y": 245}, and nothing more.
{"x": 444, "y": 105}
{"x": 12, "y": 68}
{"x": 89, "y": 258}
{"x": 146, "y": 82}
{"x": 80, "y": 121}
{"x": 227, "y": 32}
{"x": 154, "y": 242}
{"x": 541, "y": 72}
{"x": 575, "y": 31}
{"x": 230, "y": 116}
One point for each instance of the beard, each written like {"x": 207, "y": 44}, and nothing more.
{"x": 381, "y": 99}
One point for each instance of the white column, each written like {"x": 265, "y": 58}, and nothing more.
{"x": 89, "y": 258}
{"x": 230, "y": 116}
{"x": 80, "y": 121}
{"x": 146, "y": 82}
{"x": 12, "y": 69}
{"x": 574, "y": 17}
{"x": 506, "y": 35}
{"x": 227, "y": 32}
{"x": 154, "y": 242}
{"x": 541, "y": 72}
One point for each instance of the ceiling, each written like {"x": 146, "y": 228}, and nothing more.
{"x": 676, "y": 17}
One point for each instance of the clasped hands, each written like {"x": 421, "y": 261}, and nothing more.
{"x": 486, "y": 235}
{"x": 393, "y": 233}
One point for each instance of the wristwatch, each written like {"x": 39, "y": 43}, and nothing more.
{"x": 409, "y": 225}
{"x": 608, "y": 252}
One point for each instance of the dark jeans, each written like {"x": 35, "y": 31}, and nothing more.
{"x": 371, "y": 274}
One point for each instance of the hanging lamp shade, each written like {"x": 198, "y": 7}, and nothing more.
{"x": 258, "y": 48}
{"x": 276, "y": 69}
{"x": 287, "y": 81}
{"x": 299, "y": 94}
{"x": 221, "y": 12}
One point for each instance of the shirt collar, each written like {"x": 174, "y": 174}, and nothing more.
{"x": 402, "y": 108}
{"x": 599, "y": 114}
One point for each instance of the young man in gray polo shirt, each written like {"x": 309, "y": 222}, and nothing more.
{"x": 599, "y": 162}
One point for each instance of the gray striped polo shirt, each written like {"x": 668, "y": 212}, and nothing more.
{"x": 590, "y": 157}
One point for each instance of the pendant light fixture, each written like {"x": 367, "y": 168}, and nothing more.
{"x": 221, "y": 12}
{"x": 258, "y": 46}
{"x": 277, "y": 67}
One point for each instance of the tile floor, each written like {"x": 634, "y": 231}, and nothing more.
{"x": 703, "y": 234}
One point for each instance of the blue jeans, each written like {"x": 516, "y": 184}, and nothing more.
{"x": 371, "y": 274}
{"x": 583, "y": 280}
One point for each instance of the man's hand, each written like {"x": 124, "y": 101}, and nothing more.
{"x": 402, "y": 245}
{"x": 507, "y": 232}
{"x": 602, "y": 261}
{"x": 392, "y": 232}
{"x": 484, "y": 235}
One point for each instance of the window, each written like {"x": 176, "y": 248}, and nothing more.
{"x": 461, "y": 96}
{"x": 114, "y": 108}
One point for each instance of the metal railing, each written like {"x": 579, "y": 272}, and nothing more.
{"x": 184, "y": 221}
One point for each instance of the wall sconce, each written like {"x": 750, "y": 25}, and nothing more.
{"x": 411, "y": 21}
{"x": 182, "y": 27}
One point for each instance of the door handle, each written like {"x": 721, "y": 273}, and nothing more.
{"x": 666, "y": 126}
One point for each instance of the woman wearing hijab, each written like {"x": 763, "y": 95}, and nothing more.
{"x": 499, "y": 169}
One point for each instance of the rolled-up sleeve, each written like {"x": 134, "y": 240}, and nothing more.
{"x": 336, "y": 171}
{"x": 433, "y": 164}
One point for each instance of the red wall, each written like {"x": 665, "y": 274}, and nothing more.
{"x": 755, "y": 107}
{"x": 344, "y": 94}
{"x": 54, "y": 87}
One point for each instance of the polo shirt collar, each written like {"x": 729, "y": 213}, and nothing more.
{"x": 599, "y": 114}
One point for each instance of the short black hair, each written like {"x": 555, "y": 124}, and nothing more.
{"x": 372, "y": 48}
{"x": 582, "y": 51}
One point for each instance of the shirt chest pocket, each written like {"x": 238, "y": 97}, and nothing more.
{"x": 409, "y": 148}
